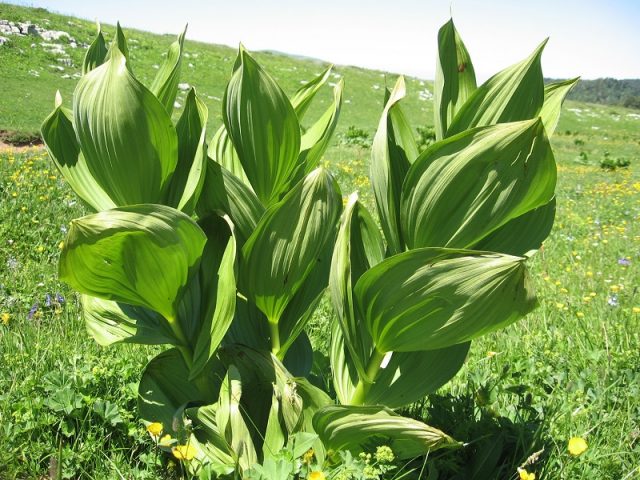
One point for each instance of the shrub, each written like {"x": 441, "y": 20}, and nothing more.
{"x": 222, "y": 251}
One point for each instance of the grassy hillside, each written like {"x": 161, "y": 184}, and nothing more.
{"x": 30, "y": 75}
{"x": 570, "y": 368}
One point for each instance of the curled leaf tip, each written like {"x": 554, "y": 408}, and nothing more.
{"x": 58, "y": 99}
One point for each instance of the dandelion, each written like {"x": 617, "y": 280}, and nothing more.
{"x": 577, "y": 446}
{"x": 155, "y": 429}
{"x": 5, "y": 317}
{"x": 317, "y": 475}
{"x": 636, "y": 309}
{"x": 184, "y": 452}
{"x": 166, "y": 441}
{"x": 579, "y": 314}
{"x": 524, "y": 475}
{"x": 491, "y": 354}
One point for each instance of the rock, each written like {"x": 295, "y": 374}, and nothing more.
{"x": 184, "y": 86}
{"x": 34, "y": 73}
{"x": 73, "y": 44}
{"x": 50, "y": 35}
{"x": 15, "y": 30}
{"x": 3, "y": 40}
{"x": 191, "y": 65}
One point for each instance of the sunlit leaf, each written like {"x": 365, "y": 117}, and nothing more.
{"x": 263, "y": 127}
{"x": 361, "y": 429}
{"x": 441, "y": 297}
{"x": 96, "y": 53}
{"x": 165, "y": 83}
{"x": 516, "y": 93}
{"x": 463, "y": 188}
{"x": 455, "y": 78}
{"x": 554, "y": 95}
{"x": 125, "y": 134}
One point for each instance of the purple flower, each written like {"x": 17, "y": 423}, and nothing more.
{"x": 59, "y": 298}
{"x": 33, "y": 310}
{"x": 47, "y": 300}
{"x": 624, "y": 261}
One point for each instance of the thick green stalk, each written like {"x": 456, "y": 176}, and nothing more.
{"x": 184, "y": 348}
{"x": 364, "y": 384}
{"x": 275, "y": 337}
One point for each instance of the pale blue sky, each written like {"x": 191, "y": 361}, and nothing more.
{"x": 591, "y": 38}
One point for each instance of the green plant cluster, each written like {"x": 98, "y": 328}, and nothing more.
{"x": 223, "y": 249}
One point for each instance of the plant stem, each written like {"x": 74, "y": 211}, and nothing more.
{"x": 373, "y": 367}
{"x": 275, "y": 337}
{"x": 185, "y": 350}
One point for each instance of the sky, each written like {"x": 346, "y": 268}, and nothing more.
{"x": 588, "y": 38}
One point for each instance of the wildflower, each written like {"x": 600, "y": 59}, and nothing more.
{"x": 613, "y": 301}
{"x": 636, "y": 309}
{"x": 524, "y": 475}
{"x": 185, "y": 452}
{"x": 39, "y": 249}
{"x": 166, "y": 441}
{"x": 308, "y": 456}
{"x": 47, "y": 300}
{"x": 61, "y": 245}
{"x": 614, "y": 288}
{"x": 33, "y": 311}
{"x": 577, "y": 446}
{"x": 5, "y": 317}
{"x": 155, "y": 429}
{"x": 625, "y": 262}
{"x": 491, "y": 354}
{"x": 579, "y": 314}
{"x": 59, "y": 298}
{"x": 317, "y": 475}
{"x": 384, "y": 454}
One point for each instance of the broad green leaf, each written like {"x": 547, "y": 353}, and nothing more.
{"x": 393, "y": 150}
{"x": 141, "y": 255}
{"x": 165, "y": 84}
{"x": 125, "y": 134}
{"x": 516, "y": 93}
{"x": 305, "y": 301}
{"x": 263, "y": 127}
{"x": 119, "y": 43}
{"x": 188, "y": 178}
{"x": 96, "y": 53}
{"x": 218, "y": 290}
{"x": 231, "y": 421}
{"x": 316, "y": 139}
{"x": 222, "y": 151}
{"x": 288, "y": 240}
{"x": 358, "y": 247}
{"x": 441, "y": 297}
{"x": 463, "y": 188}
{"x": 455, "y": 78}
{"x": 213, "y": 449}
{"x": 274, "y": 436}
{"x": 554, "y": 95}
{"x": 410, "y": 376}
{"x": 111, "y": 322}
{"x": 522, "y": 234}
{"x": 224, "y": 192}
{"x": 361, "y": 429}
{"x": 299, "y": 357}
{"x": 303, "y": 97}
{"x": 60, "y": 139}
{"x": 164, "y": 389}
{"x": 407, "y": 377}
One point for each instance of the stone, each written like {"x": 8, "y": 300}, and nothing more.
{"x": 184, "y": 86}
{"x": 3, "y": 40}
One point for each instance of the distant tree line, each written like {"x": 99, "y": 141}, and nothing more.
{"x": 608, "y": 91}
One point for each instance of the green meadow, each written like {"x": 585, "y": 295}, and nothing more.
{"x": 569, "y": 369}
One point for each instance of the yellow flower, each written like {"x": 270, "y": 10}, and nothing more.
{"x": 61, "y": 245}
{"x": 40, "y": 249}
{"x": 316, "y": 476}
{"x": 166, "y": 441}
{"x": 5, "y": 317}
{"x": 579, "y": 314}
{"x": 524, "y": 475}
{"x": 308, "y": 456}
{"x": 636, "y": 309}
{"x": 184, "y": 452}
{"x": 577, "y": 446}
{"x": 155, "y": 429}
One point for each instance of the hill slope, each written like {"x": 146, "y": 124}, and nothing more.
{"x": 32, "y": 69}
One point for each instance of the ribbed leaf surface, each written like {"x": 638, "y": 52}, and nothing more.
{"x": 441, "y": 297}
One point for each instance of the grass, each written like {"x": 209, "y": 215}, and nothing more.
{"x": 571, "y": 368}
